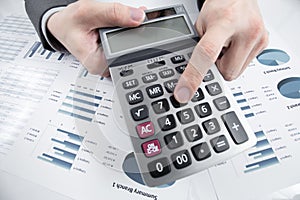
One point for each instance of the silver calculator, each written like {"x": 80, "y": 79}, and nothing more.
{"x": 171, "y": 140}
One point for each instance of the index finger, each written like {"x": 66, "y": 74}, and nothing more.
{"x": 204, "y": 56}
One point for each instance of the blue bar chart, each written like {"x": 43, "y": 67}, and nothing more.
{"x": 38, "y": 53}
{"x": 80, "y": 105}
{"x": 64, "y": 148}
{"x": 262, "y": 155}
{"x": 243, "y": 104}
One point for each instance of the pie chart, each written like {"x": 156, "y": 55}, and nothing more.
{"x": 273, "y": 57}
{"x": 290, "y": 87}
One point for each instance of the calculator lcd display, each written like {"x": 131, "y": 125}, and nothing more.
{"x": 147, "y": 34}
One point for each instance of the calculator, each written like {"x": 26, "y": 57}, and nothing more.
{"x": 171, "y": 140}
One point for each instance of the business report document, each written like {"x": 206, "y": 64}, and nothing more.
{"x": 61, "y": 126}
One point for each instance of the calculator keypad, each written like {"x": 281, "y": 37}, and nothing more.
{"x": 169, "y": 137}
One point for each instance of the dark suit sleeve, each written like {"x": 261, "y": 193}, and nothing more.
{"x": 35, "y": 10}
{"x": 200, "y": 4}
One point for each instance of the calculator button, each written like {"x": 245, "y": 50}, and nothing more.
{"x": 159, "y": 167}
{"x": 185, "y": 116}
{"x": 126, "y": 72}
{"x": 145, "y": 130}
{"x": 134, "y": 97}
{"x": 170, "y": 85}
{"x": 203, "y": 110}
{"x": 235, "y": 127}
{"x": 151, "y": 148}
{"x": 175, "y": 103}
{"x": 198, "y": 96}
{"x": 149, "y": 78}
{"x": 166, "y": 73}
{"x": 209, "y": 76}
{"x": 156, "y": 64}
{"x": 167, "y": 122}
{"x": 155, "y": 91}
{"x": 177, "y": 59}
{"x": 211, "y": 126}
{"x": 219, "y": 144}
{"x": 221, "y": 103}
{"x": 160, "y": 106}
{"x": 214, "y": 89}
{"x": 180, "y": 69}
{"x": 173, "y": 140}
{"x": 181, "y": 159}
{"x": 193, "y": 133}
{"x": 130, "y": 84}
{"x": 201, "y": 151}
{"x": 139, "y": 113}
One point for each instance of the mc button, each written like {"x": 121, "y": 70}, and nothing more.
{"x": 134, "y": 97}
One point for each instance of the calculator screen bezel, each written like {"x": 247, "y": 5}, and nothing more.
{"x": 111, "y": 55}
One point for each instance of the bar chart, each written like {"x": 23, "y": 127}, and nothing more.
{"x": 64, "y": 148}
{"x": 243, "y": 104}
{"x": 262, "y": 155}
{"x": 80, "y": 104}
{"x": 38, "y": 53}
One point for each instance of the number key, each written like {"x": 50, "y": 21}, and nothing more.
{"x": 160, "y": 106}
{"x": 181, "y": 159}
{"x": 167, "y": 122}
{"x": 193, "y": 133}
{"x": 203, "y": 110}
{"x": 159, "y": 167}
{"x": 211, "y": 126}
{"x": 198, "y": 96}
{"x": 185, "y": 116}
{"x": 173, "y": 140}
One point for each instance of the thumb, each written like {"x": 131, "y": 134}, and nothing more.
{"x": 115, "y": 14}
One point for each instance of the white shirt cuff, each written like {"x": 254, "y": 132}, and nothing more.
{"x": 46, "y": 16}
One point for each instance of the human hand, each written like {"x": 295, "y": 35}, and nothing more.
{"x": 76, "y": 27}
{"x": 232, "y": 27}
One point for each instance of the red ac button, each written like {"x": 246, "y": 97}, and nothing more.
{"x": 145, "y": 129}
